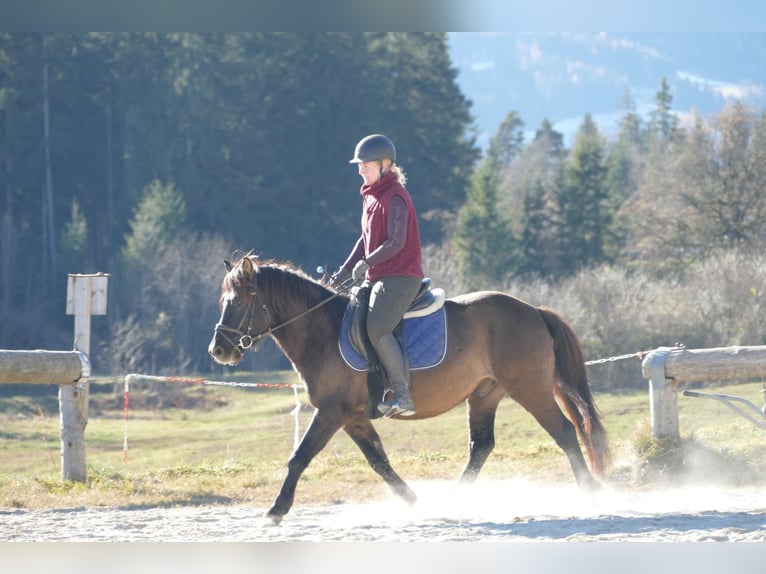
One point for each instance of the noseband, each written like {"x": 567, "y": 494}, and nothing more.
{"x": 246, "y": 339}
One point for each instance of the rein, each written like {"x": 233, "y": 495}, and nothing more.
{"x": 246, "y": 339}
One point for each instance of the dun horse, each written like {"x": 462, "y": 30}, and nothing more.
{"x": 498, "y": 346}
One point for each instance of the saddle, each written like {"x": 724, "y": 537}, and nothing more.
{"x": 422, "y": 334}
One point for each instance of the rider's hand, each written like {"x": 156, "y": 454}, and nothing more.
{"x": 339, "y": 277}
{"x": 360, "y": 270}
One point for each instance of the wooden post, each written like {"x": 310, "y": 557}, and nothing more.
{"x": 666, "y": 367}
{"x": 663, "y": 395}
{"x": 86, "y": 296}
{"x": 43, "y": 367}
{"x": 717, "y": 364}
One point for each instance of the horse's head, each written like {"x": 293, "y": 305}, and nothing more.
{"x": 244, "y": 319}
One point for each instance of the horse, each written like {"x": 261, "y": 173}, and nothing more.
{"x": 498, "y": 346}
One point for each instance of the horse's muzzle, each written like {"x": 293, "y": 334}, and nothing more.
{"x": 222, "y": 355}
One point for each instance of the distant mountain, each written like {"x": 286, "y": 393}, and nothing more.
{"x": 563, "y": 76}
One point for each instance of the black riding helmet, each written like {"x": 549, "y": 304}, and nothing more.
{"x": 375, "y": 147}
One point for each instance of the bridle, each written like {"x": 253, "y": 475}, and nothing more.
{"x": 243, "y": 332}
{"x": 246, "y": 339}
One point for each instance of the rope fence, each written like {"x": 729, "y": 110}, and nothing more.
{"x": 134, "y": 377}
{"x": 639, "y": 355}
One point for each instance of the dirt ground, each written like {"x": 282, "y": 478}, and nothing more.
{"x": 502, "y": 511}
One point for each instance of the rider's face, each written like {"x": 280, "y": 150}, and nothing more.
{"x": 370, "y": 172}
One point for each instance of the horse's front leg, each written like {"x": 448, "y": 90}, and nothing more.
{"x": 367, "y": 439}
{"x": 324, "y": 424}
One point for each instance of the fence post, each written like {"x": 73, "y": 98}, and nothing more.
{"x": 663, "y": 395}
{"x": 86, "y": 296}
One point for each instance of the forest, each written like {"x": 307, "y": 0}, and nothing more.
{"x": 154, "y": 156}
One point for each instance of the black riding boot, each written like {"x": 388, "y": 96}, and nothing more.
{"x": 395, "y": 363}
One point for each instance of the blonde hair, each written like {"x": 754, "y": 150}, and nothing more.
{"x": 400, "y": 175}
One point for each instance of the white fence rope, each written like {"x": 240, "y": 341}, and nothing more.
{"x": 136, "y": 376}
{"x": 295, "y": 412}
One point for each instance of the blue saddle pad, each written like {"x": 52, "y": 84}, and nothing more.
{"x": 425, "y": 340}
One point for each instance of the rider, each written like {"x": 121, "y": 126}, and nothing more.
{"x": 388, "y": 254}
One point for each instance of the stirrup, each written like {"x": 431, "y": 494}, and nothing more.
{"x": 388, "y": 410}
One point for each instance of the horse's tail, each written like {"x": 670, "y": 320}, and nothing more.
{"x": 573, "y": 389}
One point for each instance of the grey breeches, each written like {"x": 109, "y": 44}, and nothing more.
{"x": 389, "y": 299}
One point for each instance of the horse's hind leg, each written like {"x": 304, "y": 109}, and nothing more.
{"x": 561, "y": 429}
{"x": 367, "y": 439}
{"x": 482, "y": 406}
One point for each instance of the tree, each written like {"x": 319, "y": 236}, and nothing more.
{"x": 706, "y": 197}
{"x": 74, "y": 238}
{"x": 625, "y": 164}
{"x": 311, "y": 102}
{"x": 663, "y": 129}
{"x": 626, "y": 155}
{"x": 551, "y": 141}
{"x": 583, "y": 210}
{"x": 507, "y": 142}
{"x": 631, "y": 125}
{"x": 29, "y": 319}
{"x": 170, "y": 323}
{"x": 504, "y": 147}
{"x": 484, "y": 238}
{"x": 535, "y": 225}
{"x": 528, "y": 202}
{"x": 418, "y": 103}
{"x": 50, "y": 253}
{"x": 168, "y": 286}
{"x": 159, "y": 217}
{"x": 722, "y": 176}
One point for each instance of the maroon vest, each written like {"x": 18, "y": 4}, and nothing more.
{"x": 376, "y": 198}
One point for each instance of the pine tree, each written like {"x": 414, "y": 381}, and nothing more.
{"x": 535, "y": 223}
{"x": 507, "y": 142}
{"x": 583, "y": 210}
{"x": 483, "y": 240}
{"x": 159, "y": 217}
{"x": 418, "y": 103}
{"x": 663, "y": 131}
{"x": 484, "y": 237}
{"x": 529, "y": 189}
{"x": 625, "y": 167}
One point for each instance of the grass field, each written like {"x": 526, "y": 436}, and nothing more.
{"x": 230, "y": 445}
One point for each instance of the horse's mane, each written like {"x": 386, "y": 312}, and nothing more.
{"x": 264, "y": 268}
{"x": 284, "y": 277}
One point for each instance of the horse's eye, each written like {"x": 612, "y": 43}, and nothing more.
{"x": 237, "y": 303}
{"x": 232, "y": 301}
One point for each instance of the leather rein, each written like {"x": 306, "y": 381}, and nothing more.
{"x": 246, "y": 338}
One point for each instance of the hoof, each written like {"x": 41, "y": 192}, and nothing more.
{"x": 272, "y": 519}
{"x": 409, "y": 497}
{"x": 591, "y": 486}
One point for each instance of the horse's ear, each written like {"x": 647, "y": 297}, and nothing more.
{"x": 247, "y": 266}
{"x": 228, "y": 265}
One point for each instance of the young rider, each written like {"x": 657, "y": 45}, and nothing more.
{"x": 388, "y": 255}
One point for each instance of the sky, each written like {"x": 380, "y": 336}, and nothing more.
{"x": 663, "y": 16}
{"x": 563, "y": 75}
